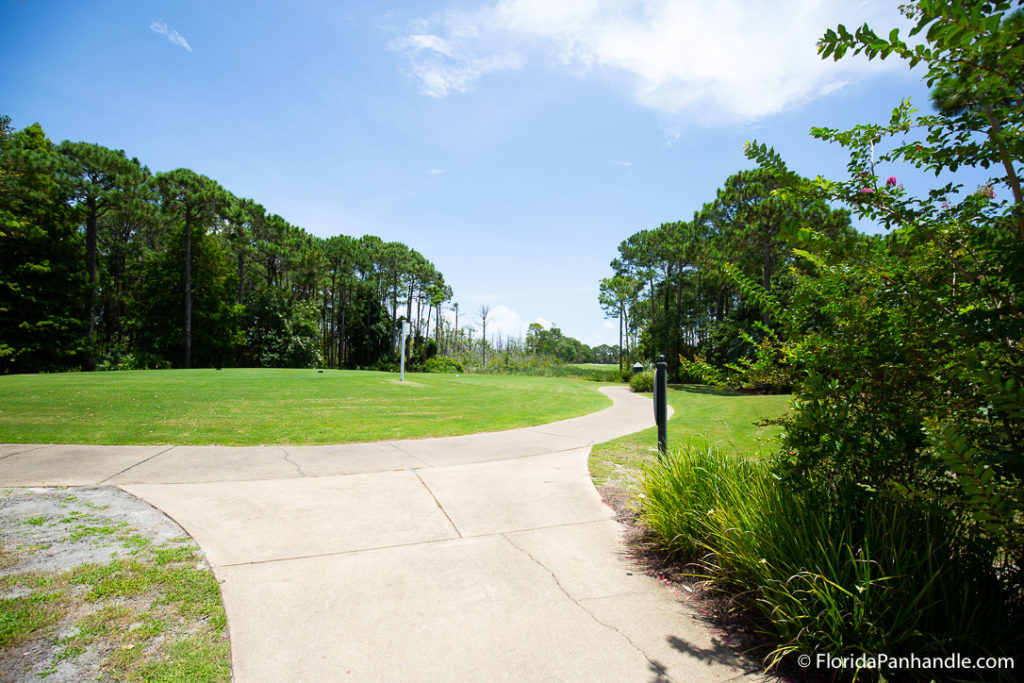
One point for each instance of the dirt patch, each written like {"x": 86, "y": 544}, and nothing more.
{"x": 96, "y": 584}
{"x": 56, "y": 529}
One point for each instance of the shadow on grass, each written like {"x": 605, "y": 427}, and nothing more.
{"x": 705, "y": 389}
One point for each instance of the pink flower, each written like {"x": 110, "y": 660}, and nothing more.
{"x": 866, "y": 190}
{"x": 891, "y": 182}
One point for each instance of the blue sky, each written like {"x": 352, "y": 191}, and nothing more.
{"x": 512, "y": 143}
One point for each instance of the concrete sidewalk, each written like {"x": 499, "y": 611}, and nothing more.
{"x": 481, "y": 557}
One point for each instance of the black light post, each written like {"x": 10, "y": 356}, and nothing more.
{"x": 660, "y": 411}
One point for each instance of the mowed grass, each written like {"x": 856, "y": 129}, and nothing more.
{"x": 286, "y": 407}
{"x": 703, "y": 416}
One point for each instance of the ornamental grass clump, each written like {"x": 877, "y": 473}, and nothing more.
{"x": 818, "y": 578}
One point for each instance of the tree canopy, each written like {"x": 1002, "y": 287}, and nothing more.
{"x": 106, "y": 265}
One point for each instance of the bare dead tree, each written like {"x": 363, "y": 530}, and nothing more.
{"x": 482, "y": 318}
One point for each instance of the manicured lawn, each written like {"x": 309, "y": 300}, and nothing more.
{"x": 702, "y": 415}
{"x": 261, "y": 406}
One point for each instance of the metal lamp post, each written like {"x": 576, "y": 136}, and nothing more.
{"x": 660, "y": 400}
{"x": 401, "y": 362}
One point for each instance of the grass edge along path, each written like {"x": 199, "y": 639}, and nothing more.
{"x": 703, "y": 416}
{"x": 247, "y": 407}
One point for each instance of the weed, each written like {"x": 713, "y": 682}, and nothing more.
{"x": 83, "y": 531}
{"x": 174, "y": 554}
{"x": 23, "y": 617}
{"x": 136, "y": 543}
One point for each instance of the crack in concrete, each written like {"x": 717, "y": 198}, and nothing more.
{"x": 288, "y": 459}
{"x": 652, "y": 664}
{"x": 130, "y": 467}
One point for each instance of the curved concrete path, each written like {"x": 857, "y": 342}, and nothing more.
{"x": 481, "y": 557}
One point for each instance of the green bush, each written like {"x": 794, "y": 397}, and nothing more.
{"x": 385, "y": 365}
{"x": 886, "y": 578}
{"x": 442, "y": 365}
{"x": 118, "y": 358}
{"x": 642, "y": 381}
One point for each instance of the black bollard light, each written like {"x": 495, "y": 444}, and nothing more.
{"x": 660, "y": 399}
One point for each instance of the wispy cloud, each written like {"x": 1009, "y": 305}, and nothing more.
{"x": 712, "y": 62}
{"x": 160, "y": 26}
{"x": 434, "y": 171}
{"x": 445, "y": 67}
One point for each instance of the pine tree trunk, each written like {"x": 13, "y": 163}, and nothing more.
{"x": 188, "y": 292}
{"x": 90, "y": 248}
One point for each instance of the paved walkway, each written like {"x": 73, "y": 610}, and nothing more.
{"x": 481, "y": 557}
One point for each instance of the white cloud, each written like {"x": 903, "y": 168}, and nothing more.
{"x": 421, "y": 41}
{"x": 160, "y": 26}
{"x": 444, "y": 69}
{"x": 607, "y": 334}
{"x": 712, "y": 62}
{"x": 504, "y": 322}
{"x": 501, "y": 320}
{"x": 434, "y": 171}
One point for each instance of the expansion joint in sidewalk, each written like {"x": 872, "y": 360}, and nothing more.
{"x": 27, "y": 450}
{"x": 438, "y": 503}
{"x": 394, "y": 444}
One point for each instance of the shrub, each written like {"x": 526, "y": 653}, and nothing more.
{"x": 887, "y": 578}
{"x": 442, "y": 364}
{"x": 642, "y": 381}
{"x": 385, "y": 365}
{"x": 118, "y": 358}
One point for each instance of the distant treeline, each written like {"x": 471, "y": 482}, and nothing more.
{"x": 105, "y": 265}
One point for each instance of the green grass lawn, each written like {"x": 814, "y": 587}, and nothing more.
{"x": 702, "y": 415}
{"x": 262, "y": 406}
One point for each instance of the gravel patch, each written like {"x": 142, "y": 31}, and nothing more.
{"x": 48, "y": 531}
